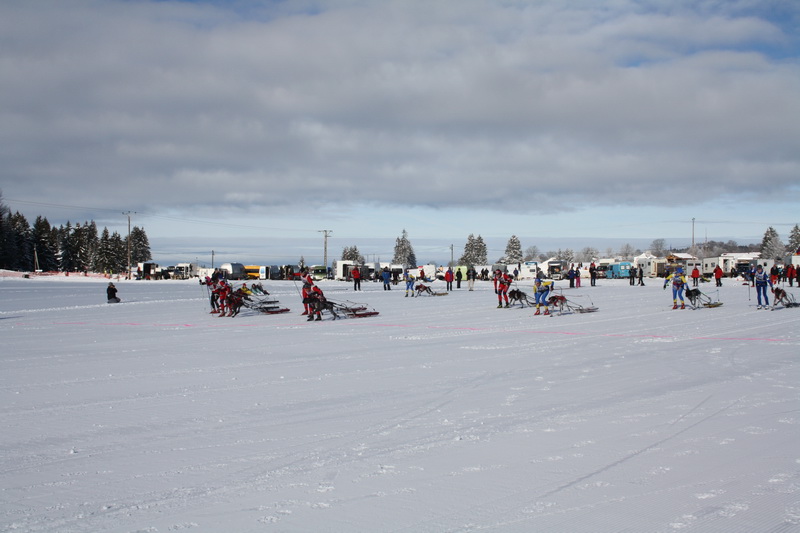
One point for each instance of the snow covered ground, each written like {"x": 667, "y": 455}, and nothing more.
{"x": 440, "y": 414}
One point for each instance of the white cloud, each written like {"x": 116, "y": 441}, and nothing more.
{"x": 453, "y": 104}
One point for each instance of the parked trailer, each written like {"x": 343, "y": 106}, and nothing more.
{"x": 619, "y": 270}
{"x": 529, "y": 270}
{"x": 186, "y": 271}
{"x": 233, "y": 271}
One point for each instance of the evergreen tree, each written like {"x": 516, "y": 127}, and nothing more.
{"x": 140, "y": 246}
{"x": 352, "y": 254}
{"x": 771, "y": 245}
{"x": 21, "y": 243}
{"x": 85, "y": 241}
{"x": 104, "y": 256}
{"x": 404, "y": 252}
{"x": 469, "y": 256}
{"x": 5, "y": 235}
{"x": 119, "y": 253}
{"x": 794, "y": 240}
{"x": 46, "y": 252}
{"x": 513, "y": 252}
{"x": 67, "y": 248}
{"x": 481, "y": 253}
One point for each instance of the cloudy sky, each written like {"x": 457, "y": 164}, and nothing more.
{"x": 248, "y": 126}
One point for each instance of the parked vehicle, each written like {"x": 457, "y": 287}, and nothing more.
{"x": 255, "y": 271}
{"x": 318, "y": 272}
{"x": 233, "y": 271}
{"x": 557, "y": 269}
{"x": 619, "y": 270}
{"x": 186, "y": 271}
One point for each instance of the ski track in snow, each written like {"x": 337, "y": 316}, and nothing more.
{"x": 440, "y": 414}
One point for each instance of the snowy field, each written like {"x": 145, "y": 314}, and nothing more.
{"x": 440, "y": 414}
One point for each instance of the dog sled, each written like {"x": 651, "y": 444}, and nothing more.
{"x": 564, "y": 305}
{"x": 421, "y": 289}
{"x": 263, "y": 304}
{"x": 353, "y": 309}
{"x": 256, "y": 298}
{"x": 699, "y": 298}
{"x": 339, "y": 309}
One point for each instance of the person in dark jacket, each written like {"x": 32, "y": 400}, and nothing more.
{"x": 111, "y": 292}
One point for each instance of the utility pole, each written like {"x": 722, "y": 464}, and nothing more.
{"x": 693, "y": 252}
{"x": 451, "y": 255}
{"x": 325, "y": 232}
{"x": 128, "y": 214}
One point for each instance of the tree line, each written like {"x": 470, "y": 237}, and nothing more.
{"x": 475, "y": 251}
{"x": 66, "y": 248}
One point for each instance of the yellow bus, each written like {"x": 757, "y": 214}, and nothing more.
{"x": 255, "y": 272}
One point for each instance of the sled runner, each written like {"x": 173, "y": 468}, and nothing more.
{"x": 698, "y": 298}
{"x": 560, "y": 302}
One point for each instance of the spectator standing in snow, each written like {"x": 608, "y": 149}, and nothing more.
{"x": 355, "y": 273}
{"x": 631, "y": 276}
{"x": 592, "y": 274}
{"x": 790, "y": 274}
{"x": 695, "y": 276}
{"x": 448, "y": 278}
{"x": 571, "y": 276}
{"x": 578, "y": 276}
{"x": 459, "y": 277}
{"x": 111, "y": 292}
{"x": 471, "y": 275}
{"x": 387, "y": 279}
{"x": 718, "y": 275}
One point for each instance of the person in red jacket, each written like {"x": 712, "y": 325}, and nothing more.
{"x": 503, "y": 283}
{"x": 791, "y": 273}
{"x": 448, "y": 279}
{"x": 355, "y": 273}
{"x": 695, "y": 276}
{"x": 305, "y": 292}
{"x": 718, "y": 273}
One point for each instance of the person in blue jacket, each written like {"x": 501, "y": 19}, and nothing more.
{"x": 387, "y": 279}
{"x": 541, "y": 291}
{"x": 761, "y": 280}
{"x": 678, "y": 280}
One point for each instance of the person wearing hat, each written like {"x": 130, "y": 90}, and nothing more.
{"x": 761, "y": 279}
{"x": 678, "y": 280}
{"x": 541, "y": 289}
{"x": 111, "y": 292}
